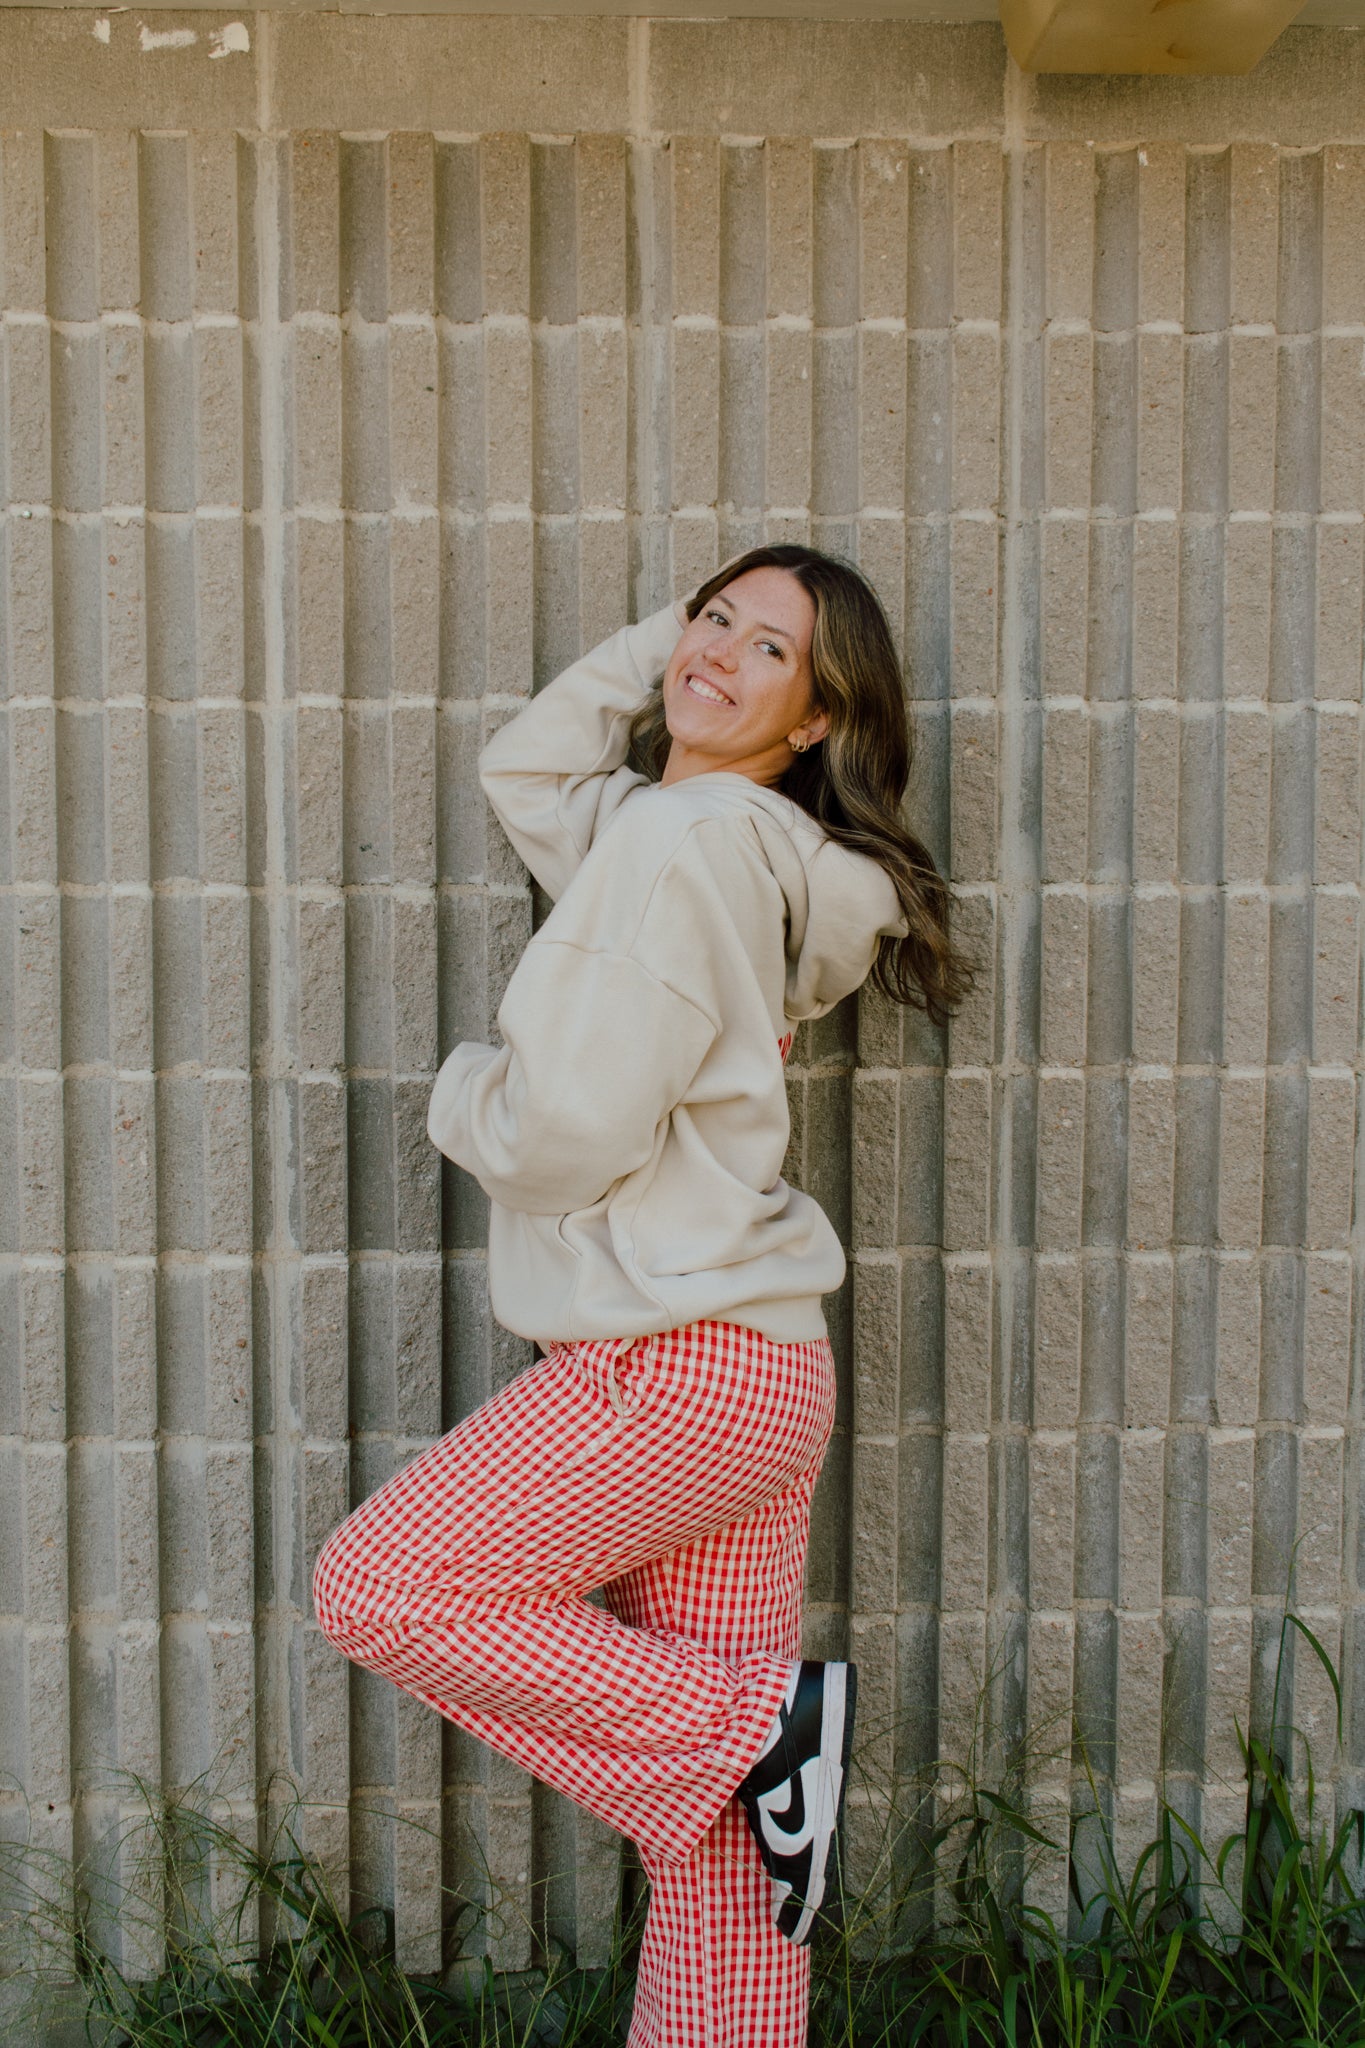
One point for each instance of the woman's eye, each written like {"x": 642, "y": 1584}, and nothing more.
{"x": 718, "y": 618}
{"x": 772, "y": 649}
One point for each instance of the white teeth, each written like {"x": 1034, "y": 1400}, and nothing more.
{"x": 702, "y": 689}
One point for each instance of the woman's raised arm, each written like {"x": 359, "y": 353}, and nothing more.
{"x": 556, "y": 772}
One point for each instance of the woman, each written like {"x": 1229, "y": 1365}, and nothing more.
{"x": 630, "y": 1133}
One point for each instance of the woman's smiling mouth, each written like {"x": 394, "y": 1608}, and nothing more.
{"x": 708, "y": 692}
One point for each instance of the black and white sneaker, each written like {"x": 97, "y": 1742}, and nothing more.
{"x": 794, "y": 1795}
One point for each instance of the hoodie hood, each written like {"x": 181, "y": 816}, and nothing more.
{"x": 840, "y": 904}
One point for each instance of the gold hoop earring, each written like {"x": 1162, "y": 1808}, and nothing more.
{"x": 798, "y": 746}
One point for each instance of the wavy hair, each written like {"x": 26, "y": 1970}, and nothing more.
{"x": 853, "y": 782}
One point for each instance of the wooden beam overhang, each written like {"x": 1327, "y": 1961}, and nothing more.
{"x": 1178, "y": 37}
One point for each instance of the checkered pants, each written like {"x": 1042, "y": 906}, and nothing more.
{"x": 675, "y": 1471}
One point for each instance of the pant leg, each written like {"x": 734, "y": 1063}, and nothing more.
{"x": 464, "y": 1578}
{"x": 714, "y": 1972}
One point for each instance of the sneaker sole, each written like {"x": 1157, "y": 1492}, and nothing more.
{"x": 838, "y": 1705}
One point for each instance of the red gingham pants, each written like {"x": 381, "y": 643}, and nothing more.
{"x": 675, "y": 1471}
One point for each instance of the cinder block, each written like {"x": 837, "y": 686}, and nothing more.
{"x": 1246, "y": 799}
{"x": 1148, "y": 1298}
{"x": 1070, "y": 204}
{"x": 505, "y": 190}
{"x": 23, "y": 243}
{"x": 1340, "y": 583}
{"x": 1315, "y": 1705}
{"x": 1151, "y": 1157}
{"x": 1343, "y": 260}
{"x": 1239, "y": 1340}
{"x": 1252, "y": 373}
{"x": 1068, "y": 374}
{"x": 695, "y": 370}
{"x": 788, "y": 439}
{"x": 972, "y": 1033}
{"x": 213, "y": 212}
{"x": 30, "y": 414}
{"x": 411, "y": 223}
{"x": 1228, "y": 1699}
{"x": 978, "y": 210}
{"x": 1336, "y": 853}
{"x": 319, "y": 604}
{"x": 1231, "y": 1500}
{"x": 1056, "y": 1341}
{"x": 1142, "y": 1479}
{"x": 1317, "y": 1557}
{"x": 315, "y": 357}
{"x": 412, "y": 416}
{"x": 975, "y": 605}
{"x": 967, "y": 1285}
{"x": 788, "y": 167}
{"x": 1326, "y": 1340}
{"x": 975, "y": 799}
{"x": 881, "y": 418}
{"x": 44, "y": 1563}
{"x": 602, "y": 412}
{"x": 1331, "y": 1144}
{"x": 600, "y": 164}
{"x": 1066, "y": 793}
{"x": 1060, "y": 1152}
{"x": 976, "y": 421}
{"x": 1064, "y": 574}
{"x": 1065, "y": 941}
{"x": 508, "y": 414}
{"x": 1246, "y": 964}
{"x": 1254, "y": 230}
{"x": 1156, "y": 772}
{"x": 1051, "y": 1530}
{"x": 509, "y": 615}
{"x": 315, "y": 220}
{"x": 1140, "y": 1658}
{"x": 1241, "y": 1149}
{"x": 1247, "y": 607}
{"x": 966, "y": 1143}
{"x": 874, "y": 1160}
{"x": 1156, "y": 585}
{"x": 874, "y": 1528}
{"x": 694, "y": 166}
{"x": 882, "y": 213}
{"x": 1160, "y": 421}
{"x": 965, "y": 1522}
{"x": 1336, "y": 952}
{"x": 319, "y": 1140}
{"x": 1161, "y": 231}
{"x": 877, "y": 1344}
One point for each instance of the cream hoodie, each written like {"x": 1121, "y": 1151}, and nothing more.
{"x": 631, "y": 1128}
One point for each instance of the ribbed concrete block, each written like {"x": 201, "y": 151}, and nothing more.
{"x": 480, "y": 396}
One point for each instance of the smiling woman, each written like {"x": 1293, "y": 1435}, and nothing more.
{"x": 799, "y": 640}
{"x": 629, "y": 1132}
{"x": 737, "y": 693}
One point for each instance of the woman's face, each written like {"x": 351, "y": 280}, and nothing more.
{"x": 738, "y": 689}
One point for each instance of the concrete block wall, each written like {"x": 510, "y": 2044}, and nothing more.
{"x": 351, "y": 383}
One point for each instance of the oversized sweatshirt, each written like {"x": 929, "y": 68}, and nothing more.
{"x": 630, "y": 1129}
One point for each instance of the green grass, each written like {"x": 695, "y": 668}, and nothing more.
{"x": 1254, "y": 1940}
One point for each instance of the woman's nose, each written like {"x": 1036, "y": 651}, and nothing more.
{"x": 723, "y": 650}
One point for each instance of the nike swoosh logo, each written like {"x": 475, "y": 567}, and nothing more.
{"x": 791, "y": 1831}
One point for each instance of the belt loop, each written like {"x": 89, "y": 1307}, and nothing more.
{"x": 612, "y": 1385}
{"x": 614, "y": 1395}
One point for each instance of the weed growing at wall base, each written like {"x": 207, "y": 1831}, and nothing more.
{"x": 1259, "y": 1938}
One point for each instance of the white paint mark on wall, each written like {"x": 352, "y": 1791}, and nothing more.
{"x": 166, "y": 38}
{"x": 101, "y": 29}
{"x": 231, "y": 37}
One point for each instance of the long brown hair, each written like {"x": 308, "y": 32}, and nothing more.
{"x": 853, "y": 782}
